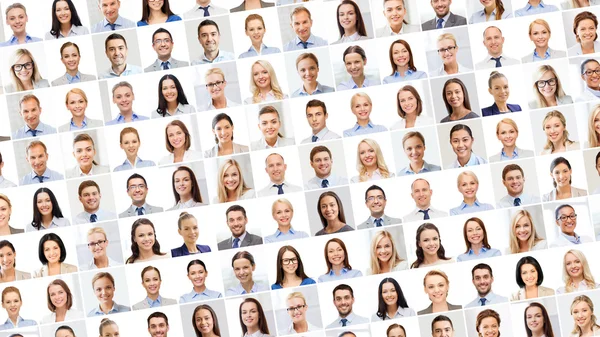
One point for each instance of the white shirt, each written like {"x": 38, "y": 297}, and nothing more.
{"x": 188, "y": 155}
{"x": 442, "y": 72}
{"x": 421, "y": 120}
{"x": 488, "y": 63}
{"x": 273, "y": 190}
{"x": 415, "y": 215}
{"x": 71, "y": 315}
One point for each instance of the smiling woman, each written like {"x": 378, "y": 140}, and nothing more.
{"x": 52, "y": 254}
{"x": 70, "y": 57}
{"x": 151, "y": 281}
{"x": 8, "y": 256}
{"x": 255, "y": 29}
{"x": 24, "y": 72}
{"x": 60, "y": 303}
{"x": 252, "y": 318}
{"x": 104, "y": 288}
{"x": 144, "y": 245}
{"x": 65, "y": 21}
{"x": 391, "y": 301}
{"x": 243, "y": 267}
{"x": 12, "y": 302}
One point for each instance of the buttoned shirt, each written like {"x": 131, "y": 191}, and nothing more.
{"x": 324, "y": 134}
{"x": 14, "y": 41}
{"x": 309, "y": 328}
{"x": 530, "y": 10}
{"x": 20, "y": 323}
{"x": 479, "y": 16}
{"x": 526, "y": 199}
{"x": 154, "y": 303}
{"x": 193, "y": 296}
{"x": 345, "y": 273}
{"x": 464, "y": 208}
{"x": 139, "y": 162}
{"x": 351, "y": 319}
{"x": 239, "y": 289}
{"x": 130, "y": 69}
{"x": 320, "y": 89}
{"x": 281, "y": 236}
{"x": 537, "y": 57}
{"x": 332, "y": 179}
{"x": 101, "y": 215}
{"x": 490, "y": 299}
{"x": 120, "y": 23}
{"x": 350, "y": 84}
{"x": 74, "y": 31}
{"x": 181, "y": 109}
{"x": 221, "y": 56}
{"x": 421, "y": 120}
{"x": 261, "y": 144}
{"x": 271, "y": 189}
{"x": 120, "y": 119}
{"x": 74, "y": 127}
{"x": 197, "y": 12}
{"x": 483, "y": 253}
{"x": 49, "y": 175}
{"x": 406, "y": 171}
{"x": 488, "y": 63}
{"x": 55, "y": 223}
{"x": 73, "y": 79}
{"x": 41, "y": 129}
{"x": 115, "y": 309}
{"x": 296, "y": 43}
{"x": 5, "y": 183}
{"x": 473, "y": 161}
{"x": 409, "y": 75}
{"x": 444, "y": 18}
{"x": 415, "y": 215}
{"x": 401, "y": 312}
{"x": 358, "y": 130}
{"x": 264, "y": 50}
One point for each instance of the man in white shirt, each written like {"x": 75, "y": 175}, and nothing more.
{"x": 566, "y": 219}
{"x": 112, "y": 20}
{"x": 89, "y": 196}
{"x": 204, "y": 8}
{"x": 421, "y": 193}
{"x": 375, "y": 200}
{"x": 494, "y": 42}
{"x": 275, "y": 168}
{"x": 316, "y": 116}
{"x": 209, "y": 37}
{"x": 513, "y": 178}
{"x": 115, "y": 48}
{"x": 4, "y": 183}
{"x": 322, "y": 162}
{"x": 343, "y": 299}
{"x": 482, "y": 279}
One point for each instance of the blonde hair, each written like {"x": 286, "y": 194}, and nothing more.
{"x": 559, "y": 93}
{"x": 360, "y": 94}
{"x": 35, "y": 72}
{"x": 540, "y": 22}
{"x": 296, "y": 294}
{"x": 588, "y": 278}
{"x": 435, "y": 272}
{"x": 222, "y": 191}
{"x": 509, "y": 122}
{"x": 362, "y": 170}
{"x": 466, "y": 173}
{"x": 275, "y": 87}
{"x": 565, "y": 138}
{"x": 394, "y": 260}
{"x": 533, "y": 239}
{"x": 583, "y": 298}
{"x": 214, "y": 71}
{"x": 281, "y": 201}
{"x": 447, "y": 36}
{"x": 76, "y": 91}
{"x": 95, "y": 230}
{"x": 593, "y": 136}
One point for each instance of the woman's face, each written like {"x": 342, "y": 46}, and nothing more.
{"x": 488, "y": 3}
{"x": 347, "y": 16}
{"x": 189, "y": 231}
{"x": 84, "y": 153}
{"x": 5, "y": 211}
{"x": 44, "y": 204}
{"x": 58, "y": 295}
{"x": 183, "y": 183}
{"x": 269, "y": 125}
{"x": 308, "y": 71}
{"x": 396, "y": 332}
{"x": 98, "y": 250}
{"x": 329, "y": 208}
{"x": 507, "y": 135}
{"x": 500, "y": 89}
{"x": 562, "y": 175}
{"x": 408, "y": 102}
{"x": 389, "y": 294}
{"x": 394, "y": 12}
{"x": 586, "y": 31}
{"x": 523, "y": 229}
{"x": 76, "y": 104}
{"x": 155, "y": 5}
{"x": 111, "y": 330}
{"x": 529, "y": 275}
{"x": 261, "y": 76}
{"x": 130, "y": 144}
{"x": 63, "y": 12}
{"x": 224, "y": 131}
{"x": 176, "y": 136}
{"x": 231, "y": 178}
{"x": 534, "y": 319}
{"x": 250, "y": 316}
{"x": 582, "y": 314}
{"x": 7, "y": 258}
{"x": 70, "y": 57}
{"x": 462, "y": 143}
{"x": 554, "y": 129}
{"x": 243, "y": 269}
{"x": 400, "y": 55}
{"x": 436, "y": 288}
{"x": 151, "y": 282}
{"x": 255, "y": 31}
{"x": 104, "y": 290}
{"x": 448, "y": 56}
{"x": 429, "y": 241}
{"x": 144, "y": 237}
{"x": 12, "y": 303}
{"x": 468, "y": 186}
{"x": 454, "y": 95}
{"x": 539, "y": 36}
{"x": 548, "y": 90}
{"x": 414, "y": 149}
{"x": 283, "y": 214}
{"x": 51, "y": 251}
{"x": 384, "y": 250}
{"x": 361, "y": 108}
{"x": 169, "y": 90}
{"x": 474, "y": 233}
{"x": 597, "y": 123}
{"x": 25, "y": 74}
{"x": 489, "y": 327}
{"x": 197, "y": 275}
{"x": 335, "y": 254}
{"x": 367, "y": 155}
{"x": 573, "y": 266}
{"x": 592, "y": 80}
{"x": 216, "y": 91}
{"x": 204, "y": 321}
{"x": 290, "y": 257}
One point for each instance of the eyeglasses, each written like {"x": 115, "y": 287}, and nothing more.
{"x": 449, "y": 49}
{"x": 292, "y": 309}
{"x": 564, "y": 218}
{"x": 161, "y": 41}
{"x": 19, "y": 67}
{"x": 590, "y": 72}
{"x": 551, "y": 82}
{"x": 378, "y": 198}
{"x": 96, "y": 243}
{"x": 214, "y": 84}
{"x": 288, "y": 261}
{"x": 136, "y": 187}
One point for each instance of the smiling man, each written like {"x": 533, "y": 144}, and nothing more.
{"x": 494, "y": 43}
{"x": 97, "y": 243}
{"x": 566, "y": 220}
{"x": 421, "y": 194}
{"x": 137, "y": 189}
{"x": 276, "y": 167}
{"x": 441, "y": 326}
{"x": 301, "y": 23}
{"x": 343, "y": 299}
{"x": 30, "y": 110}
{"x": 115, "y": 48}
{"x": 236, "y": 221}
{"x": 444, "y": 18}
{"x": 482, "y": 278}
{"x": 376, "y": 200}
{"x": 162, "y": 43}
{"x": 37, "y": 157}
{"x": 123, "y": 98}
{"x": 112, "y": 20}
{"x": 89, "y": 196}
{"x": 316, "y": 116}
{"x": 321, "y": 161}
{"x": 158, "y": 324}
{"x": 16, "y": 19}
{"x": 209, "y": 37}
{"x": 513, "y": 178}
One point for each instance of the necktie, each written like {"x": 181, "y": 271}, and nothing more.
{"x": 497, "y": 59}
{"x": 139, "y": 210}
{"x": 439, "y": 24}
{"x": 33, "y": 132}
{"x": 93, "y": 218}
{"x": 425, "y": 213}
{"x": 304, "y": 44}
{"x": 325, "y": 183}
{"x": 113, "y": 26}
{"x": 344, "y": 321}
{"x": 205, "y": 9}
{"x": 314, "y": 138}
{"x": 378, "y": 222}
{"x": 236, "y": 243}
{"x": 279, "y": 188}
{"x": 482, "y": 300}
{"x": 165, "y": 65}
{"x": 40, "y": 178}
{"x": 517, "y": 202}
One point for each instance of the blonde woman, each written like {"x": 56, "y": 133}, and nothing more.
{"x": 447, "y": 49}
{"x": 576, "y": 273}
{"x": 76, "y": 102}
{"x": 557, "y": 136}
{"x": 263, "y": 84}
{"x": 283, "y": 213}
{"x": 523, "y": 236}
{"x": 468, "y": 184}
{"x": 215, "y": 85}
{"x": 24, "y": 72}
{"x": 570, "y": 4}
{"x": 361, "y": 106}
{"x": 370, "y": 163}
{"x": 584, "y": 319}
{"x": 507, "y": 133}
{"x": 540, "y": 34}
{"x": 230, "y": 183}
{"x": 384, "y": 255}
{"x": 594, "y": 128}
{"x": 84, "y": 151}
{"x": 547, "y": 89}
{"x": 437, "y": 286}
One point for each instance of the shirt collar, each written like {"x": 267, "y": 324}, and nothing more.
{"x": 529, "y": 6}
{"x": 445, "y": 18}
{"x": 264, "y": 145}
{"x": 463, "y": 205}
{"x": 240, "y": 290}
{"x": 134, "y": 116}
{"x": 262, "y": 47}
{"x": 310, "y": 40}
{"x": 84, "y": 123}
{"x": 425, "y": 168}
{"x": 124, "y": 73}
{"x": 546, "y": 54}
{"x": 471, "y": 252}
{"x": 46, "y": 174}
{"x": 407, "y": 73}
{"x": 515, "y": 154}
{"x": 157, "y": 301}
{"x": 318, "y": 89}
{"x": 118, "y": 21}
{"x": 358, "y": 127}
{"x": 278, "y": 232}
{"x": 205, "y": 59}
{"x": 242, "y": 237}
{"x": 573, "y": 239}
{"x": 70, "y": 78}
{"x": 81, "y": 174}
{"x": 322, "y": 133}
{"x": 14, "y": 39}
{"x": 343, "y": 271}
{"x": 98, "y": 310}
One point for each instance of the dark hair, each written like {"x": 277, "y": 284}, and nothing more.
{"x": 208, "y": 22}
{"x": 149, "y": 268}
{"x": 64, "y": 327}
{"x": 532, "y": 261}
{"x": 584, "y": 16}
{"x": 441, "y": 318}
{"x": 345, "y": 333}
{"x": 162, "y": 102}
{"x": 557, "y": 161}
{"x": 354, "y": 49}
{"x": 299, "y": 271}
{"x": 484, "y": 243}
{"x": 51, "y": 237}
{"x": 559, "y": 208}
{"x": 360, "y": 24}
{"x": 485, "y": 314}
{"x": 216, "y": 329}
{"x": 166, "y": 9}
{"x": 466, "y": 102}
{"x": 263, "y": 325}
{"x": 195, "y": 188}
{"x": 400, "y": 300}
{"x": 85, "y": 184}
{"x": 458, "y": 127}
{"x": 547, "y": 323}
{"x": 219, "y": 117}
{"x": 372, "y": 188}
{"x": 161, "y": 30}
{"x": 343, "y": 286}
{"x": 235, "y": 208}
{"x": 411, "y": 63}
{"x": 511, "y": 167}
{"x": 394, "y": 326}
{"x": 269, "y": 109}
{"x": 341, "y": 215}
{"x": 243, "y": 255}
{"x": 441, "y": 253}
{"x": 6, "y": 243}
{"x": 114, "y": 36}
{"x": 158, "y": 314}
{"x": 136, "y": 176}
{"x": 318, "y": 149}
{"x": 481, "y": 266}
{"x": 62, "y": 284}
{"x": 194, "y": 262}
{"x": 37, "y": 216}
{"x": 597, "y": 157}
{"x": 313, "y": 103}
{"x": 582, "y": 66}
{"x": 415, "y": 93}
{"x": 343, "y": 246}
{"x": 75, "y": 21}
{"x": 135, "y": 250}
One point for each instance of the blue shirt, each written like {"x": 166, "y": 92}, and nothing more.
{"x": 490, "y": 299}
{"x": 351, "y": 319}
{"x": 296, "y": 43}
{"x": 537, "y": 57}
{"x": 504, "y": 156}
{"x": 193, "y": 296}
{"x": 120, "y": 23}
{"x": 344, "y": 274}
{"x": 304, "y": 282}
{"x": 350, "y": 84}
{"x": 321, "y": 89}
{"x": 115, "y": 309}
{"x": 406, "y": 171}
{"x": 171, "y": 18}
{"x": 73, "y": 126}
{"x": 239, "y": 290}
{"x": 290, "y": 235}
{"x": 264, "y": 50}
{"x": 120, "y": 119}
{"x": 14, "y": 41}
{"x": 479, "y": 16}
{"x": 73, "y": 79}
{"x": 530, "y": 10}
{"x": 408, "y": 76}
{"x": 154, "y": 303}
{"x": 473, "y": 161}
{"x": 41, "y": 130}
{"x": 130, "y": 69}
{"x": 483, "y": 253}
{"x": 49, "y": 175}
{"x": 138, "y": 163}
{"x": 222, "y": 56}
{"x": 357, "y": 130}
{"x": 463, "y": 208}
{"x": 20, "y": 323}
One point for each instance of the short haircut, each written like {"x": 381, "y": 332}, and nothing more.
{"x": 485, "y": 30}
{"x": 35, "y": 143}
{"x": 296, "y": 294}
{"x": 235, "y": 208}
{"x": 136, "y": 176}
{"x": 313, "y": 103}
{"x": 51, "y": 237}
{"x": 532, "y": 261}
{"x": 343, "y": 287}
{"x": 99, "y": 230}
{"x": 481, "y": 266}
{"x": 122, "y": 84}
{"x": 29, "y": 97}
{"x": 127, "y": 130}
{"x": 161, "y": 30}
{"x": 317, "y": 149}
{"x": 300, "y": 9}
{"x": 87, "y": 183}
{"x": 114, "y": 36}
{"x": 557, "y": 210}
{"x": 208, "y": 22}
{"x": 511, "y": 167}
{"x": 158, "y": 314}
{"x": 372, "y": 188}
{"x": 62, "y": 327}
{"x": 441, "y": 318}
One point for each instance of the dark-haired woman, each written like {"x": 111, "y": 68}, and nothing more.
{"x": 402, "y": 62}
{"x": 331, "y": 212}
{"x": 222, "y": 128}
{"x": 46, "y": 211}
{"x": 350, "y": 22}
{"x": 529, "y": 277}
{"x": 252, "y": 318}
{"x": 65, "y": 21}
{"x": 430, "y": 251}
{"x": 8, "y": 262}
{"x": 290, "y": 270}
{"x": 197, "y": 274}
{"x": 144, "y": 246}
{"x": 156, "y": 11}
{"x": 171, "y": 98}
{"x": 52, "y": 254}
{"x": 391, "y": 301}
{"x": 560, "y": 171}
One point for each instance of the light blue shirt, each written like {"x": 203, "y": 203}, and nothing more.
{"x": 154, "y": 303}
{"x": 290, "y": 235}
{"x": 49, "y": 175}
{"x": 477, "y": 206}
{"x": 350, "y": 84}
{"x": 351, "y": 319}
{"x": 193, "y": 296}
{"x": 130, "y": 69}
{"x": 55, "y": 223}
{"x": 101, "y": 215}
{"x": 120, "y": 119}
{"x": 473, "y": 161}
{"x": 20, "y": 323}
{"x": 264, "y": 50}
{"x": 120, "y": 23}
{"x": 14, "y": 41}
{"x": 344, "y": 274}
{"x": 115, "y": 309}
{"x": 479, "y": 16}
{"x": 41, "y": 130}
{"x": 409, "y": 75}
{"x": 138, "y": 163}
{"x": 406, "y": 171}
{"x": 537, "y": 57}
{"x": 490, "y": 299}
{"x": 401, "y": 312}
{"x": 530, "y": 10}
{"x": 239, "y": 290}
{"x": 321, "y": 89}
{"x": 324, "y": 134}
{"x": 296, "y": 43}
{"x": 526, "y": 199}
{"x": 483, "y": 253}
{"x": 358, "y": 130}
{"x": 221, "y": 56}
{"x": 503, "y": 156}
{"x": 73, "y": 79}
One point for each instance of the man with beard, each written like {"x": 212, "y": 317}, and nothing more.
{"x": 343, "y": 299}
{"x": 482, "y": 280}
{"x": 443, "y": 17}
{"x": 513, "y": 178}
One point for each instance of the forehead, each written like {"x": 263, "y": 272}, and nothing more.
{"x": 296, "y": 301}
{"x": 209, "y": 29}
{"x": 114, "y": 43}
{"x": 481, "y": 272}
{"x": 442, "y": 325}
{"x": 16, "y": 12}
{"x": 374, "y": 192}
{"x": 122, "y": 90}
{"x": 89, "y": 189}
{"x": 268, "y": 115}
{"x": 30, "y": 103}
{"x": 321, "y": 155}
{"x": 109, "y": 2}
{"x": 352, "y": 57}
{"x": 103, "y": 281}
{"x": 162, "y": 35}
{"x": 492, "y": 31}
{"x": 300, "y": 16}
{"x": 421, "y": 183}
{"x": 592, "y": 64}
{"x": 274, "y": 158}
{"x": 242, "y": 262}
{"x": 36, "y": 149}
{"x": 136, "y": 181}
{"x": 342, "y": 292}
{"x": 313, "y": 109}
{"x": 214, "y": 77}
{"x": 96, "y": 236}
{"x": 566, "y": 210}
{"x": 235, "y": 214}
{"x": 182, "y": 174}
{"x": 157, "y": 320}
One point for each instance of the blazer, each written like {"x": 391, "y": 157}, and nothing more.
{"x": 453, "y": 21}
{"x": 20, "y": 275}
{"x": 493, "y": 109}
{"x": 542, "y": 291}
{"x": 554, "y": 54}
{"x": 144, "y": 304}
{"x": 65, "y": 268}
{"x": 386, "y": 222}
{"x": 149, "y": 210}
{"x": 520, "y": 152}
{"x": 183, "y": 251}
{"x": 429, "y": 309}
{"x": 63, "y": 79}
{"x": 249, "y": 240}
{"x": 242, "y": 7}
{"x": 98, "y": 169}
{"x": 173, "y": 63}
{"x": 575, "y": 192}
{"x": 91, "y": 123}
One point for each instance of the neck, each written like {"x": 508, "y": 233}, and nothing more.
{"x": 377, "y": 215}
{"x": 416, "y": 165}
{"x": 119, "y": 69}
{"x": 264, "y": 91}
{"x": 424, "y": 207}
{"x": 402, "y": 69}
{"x": 61, "y": 311}
{"x": 164, "y": 58}
{"x": 257, "y": 45}
{"x": 105, "y": 307}
{"x": 220, "y": 102}
{"x": 334, "y": 225}
{"x": 284, "y": 228}
{"x": 363, "y": 123}
{"x": 337, "y": 269}
{"x": 14, "y": 318}
{"x": 92, "y": 211}
{"x": 144, "y": 255}
{"x": 248, "y": 285}
{"x": 191, "y": 247}
{"x": 290, "y": 277}
{"x": 396, "y": 28}
{"x": 532, "y": 288}
{"x": 577, "y": 280}
{"x": 323, "y": 176}
{"x": 385, "y": 266}
{"x": 185, "y": 198}
{"x": 469, "y": 201}
{"x": 86, "y": 169}
{"x": 509, "y": 149}
{"x": 460, "y": 111}
{"x": 476, "y": 247}
{"x": 350, "y": 31}
{"x": 253, "y": 329}
{"x": 139, "y": 203}
{"x": 587, "y": 45}
{"x": 172, "y": 106}
{"x": 566, "y": 189}
{"x": 21, "y": 36}
{"x": 47, "y": 219}
{"x": 551, "y": 101}
{"x": 72, "y": 72}
{"x": 301, "y": 326}
{"x": 451, "y": 68}
{"x": 490, "y": 9}
{"x": 463, "y": 161}
{"x": 502, "y": 106}
{"x": 430, "y": 258}
{"x": 211, "y": 55}
{"x": 226, "y": 147}
{"x": 127, "y": 115}
{"x": 359, "y": 80}
{"x": 391, "y": 310}
{"x": 310, "y": 87}
{"x": 534, "y": 2}
{"x": 8, "y": 274}
{"x": 101, "y": 262}
{"x": 523, "y": 246}
{"x": 178, "y": 153}
{"x": 132, "y": 159}
{"x": 514, "y": 195}
{"x": 153, "y": 296}
{"x": 78, "y": 120}
{"x": 200, "y": 289}
{"x": 437, "y": 307}
{"x": 271, "y": 141}
{"x": 537, "y": 334}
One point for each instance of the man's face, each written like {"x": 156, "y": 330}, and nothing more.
{"x": 322, "y": 164}
{"x": 343, "y": 301}
{"x": 17, "y": 19}
{"x": 482, "y": 280}
{"x": 209, "y": 37}
{"x": 110, "y": 9}
{"x": 163, "y": 45}
{"x": 158, "y": 327}
{"x": 441, "y": 7}
{"x": 123, "y": 97}
{"x": 37, "y": 159}
{"x": 30, "y": 111}
{"x": 116, "y": 51}
{"x": 90, "y": 199}
{"x": 137, "y": 190}
{"x": 302, "y": 23}
{"x": 276, "y": 168}
{"x": 442, "y": 329}
{"x": 376, "y": 202}
{"x": 421, "y": 193}
{"x": 567, "y": 220}
{"x": 317, "y": 119}
{"x": 236, "y": 222}
{"x": 493, "y": 41}
{"x": 514, "y": 182}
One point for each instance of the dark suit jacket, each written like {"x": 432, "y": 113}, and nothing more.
{"x": 453, "y": 21}
{"x": 242, "y": 7}
{"x": 183, "y": 251}
{"x": 493, "y": 109}
{"x": 429, "y": 309}
{"x": 249, "y": 240}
